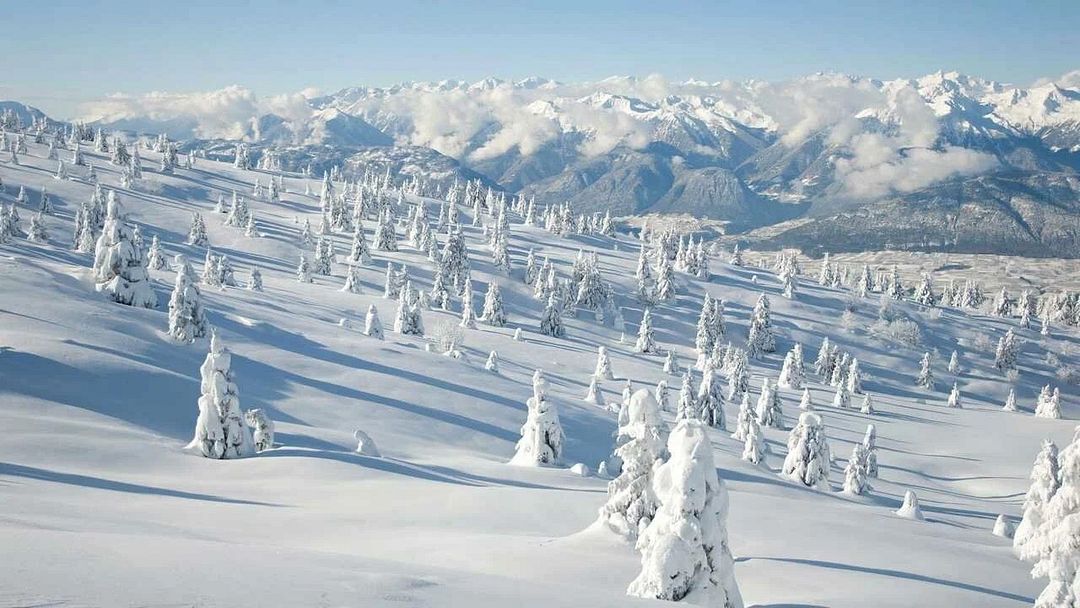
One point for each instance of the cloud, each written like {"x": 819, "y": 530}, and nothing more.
{"x": 225, "y": 113}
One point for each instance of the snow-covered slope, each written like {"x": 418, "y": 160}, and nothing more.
{"x": 100, "y": 506}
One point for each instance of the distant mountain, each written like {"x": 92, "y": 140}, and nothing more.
{"x": 749, "y": 154}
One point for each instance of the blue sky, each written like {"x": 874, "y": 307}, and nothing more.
{"x": 59, "y": 53}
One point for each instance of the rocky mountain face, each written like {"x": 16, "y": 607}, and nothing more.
{"x": 942, "y": 161}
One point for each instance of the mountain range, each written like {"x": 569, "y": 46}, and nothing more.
{"x": 825, "y": 162}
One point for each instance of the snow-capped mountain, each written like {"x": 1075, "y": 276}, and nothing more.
{"x": 747, "y": 153}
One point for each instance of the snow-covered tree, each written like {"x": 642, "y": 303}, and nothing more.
{"x": 631, "y": 502}
{"x": 603, "y": 364}
{"x": 303, "y": 269}
{"x": 120, "y": 264}
{"x": 468, "y": 314}
{"x": 926, "y": 372}
{"x": 870, "y": 443}
{"x": 187, "y": 319}
{"x": 671, "y": 365}
{"x": 687, "y": 406}
{"x": 220, "y": 431}
{"x": 385, "y": 236}
{"x": 255, "y": 281}
{"x": 594, "y": 395}
{"x": 372, "y": 324}
{"x": 1008, "y": 349}
{"x": 806, "y": 402}
{"x": 760, "y": 338}
{"x": 646, "y": 342}
{"x": 492, "y": 363}
{"x": 1049, "y": 403}
{"x": 742, "y": 423}
{"x": 154, "y": 258}
{"x": 791, "y": 372}
{"x": 808, "y": 456}
{"x": 684, "y": 550}
{"x": 770, "y": 411}
{"x": 856, "y": 477}
{"x": 542, "y": 435}
{"x": 954, "y": 397}
{"x": 493, "y": 313}
{"x": 854, "y": 378}
{"x": 37, "y": 232}
{"x": 954, "y": 363}
{"x": 710, "y": 399}
{"x": 352, "y": 280}
{"x": 551, "y": 321}
{"x": 1044, "y": 483}
{"x": 262, "y": 429}
{"x": 665, "y": 281}
{"x": 197, "y": 234}
{"x": 910, "y": 508}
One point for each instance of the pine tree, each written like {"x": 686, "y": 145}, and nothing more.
{"x": 1055, "y": 546}
{"x": 1049, "y": 403}
{"x": 954, "y": 363}
{"x": 742, "y": 423}
{"x": 594, "y": 395}
{"x": 671, "y": 366}
{"x": 677, "y": 565}
{"x": 603, "y": 364}
{"x": 120, "y": 264}
{"x": 385, "y": 236}
{"x": 493, "y": 312}
{"x": 255, "y": 281}
{"x": 687, "y": 406}
{"x": 808, "y": 453}
{"x": 791, "y": 372}
{"x": 926, "y": 373}
{"x": 710, "y": 400}
{"x": 954, "y": 397}
{"x": 631, "y": 502}
{"x": 303, "y": 269}
{"x": 37, "y": 232}
{"x": 870, "y": 443}
{"x": 705, "y": 339}
{"x": 1007, "y": 351}
{"x": 856, "y": 478}
{"x": 187, "y": 319}
{"x": 359, "y": 253}
{"x": 551, "y": 322}
{"x": 754, "y": 447}
{"x": 854, "y": 378}
{"x": 806, "y": 403}
{"x": 352, "y": 280}
{"x": 197, "y": 234}
{"x": 468, "y": 314}
{"x": 155, "y": 259}
{"x": 542, "y": 436}
{"x": 220, "y": 431}
{"x": 665, "y": 281}
{"x": 372, "y": 324}
{"x": 646, "y": 343}
{"x": 770, "y": 410}
{"x": 760, "y": 339}
{"x": 1010, "y": 401}
{"x": 1044, "y": 484}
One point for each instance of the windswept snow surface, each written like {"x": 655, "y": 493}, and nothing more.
{"x": 100, "y": 506}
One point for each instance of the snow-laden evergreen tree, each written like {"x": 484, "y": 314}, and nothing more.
{"x": 954, "y": 397}
{"x": 45, "y": 205}
{"x": 211, "y": 274}
{"x": 493, "y": 313}
{"x": 664, "y": 290}
{"x": 1049, "y": 403}
{"x": 746, "y": 414}
{"x": 455, "y": 261}
{"x": 120, "y": 264}
{"x": 671, "y": 365}
{"x": 1002, "y": 306}
{"x": 646, "y": 342}
{"x": 542, "y": 435}
{"x": 238, "y": 212}
{"x": 468, "y": 314}
{"x": 359, "y": 253}
{"x": 808, "y": 456}
{"x": 154, "y": 258}
{"x": 197, "y": 234}
{"x": 220, "y": 431}
{"x": 856, "y": 477}
{"x": 603, "y": 364}
{"x": 760, "y": 339}
{"x": 1044, "y": 484}
{"x": 910, "y": 508}
{"x": 262, "y": 429}
{"x": 304, "y": 237}
{"x": 631, "y": 503}
{"x": 791, "y": 372}
{"x": 842, "y": 397}
{"x": 594, "y": 395}
{"x": 255, "y": 281}
{"x": 687, "y": 406}
{"x": 1010, "y": 401}
{"x": 187, "y": 319}
{"x": 385, "y": 236}
{"x": 867, "y": 405}
{"x": 710, "y": 399}
{"x": 1008, "y": 349}
{"x": 1055, "y": 547}
{"x": 926, "y": 372}
{"x": 954, "y": 363}
{"x": 684, "y": 550}
{"x": 136, "y": 163}
{"x": 924, "y": 293}
{"x": 738, "y": 375}
{"x": 37, "y": 232}
{"x": 372, "y": 324}
{"x": 736, "y": 256}
{"x": 705, "y": 339}
{"x": 806, "y": 402}
{"x": 854, "y": 377}
{"x": 352, "y": 280}
{"x": 661, "y": 394}
{"x": 870, "y": 443}
{"x": 324, "y": 256}
{"x": 303, "y": 269}
{"x": 770, "y": 410}
{"x": 492, "y": 363}
{"x": 754, "y": 446}
{"x": 551, "y": 321}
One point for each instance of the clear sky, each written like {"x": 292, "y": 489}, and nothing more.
{"x": 58, "y": 53}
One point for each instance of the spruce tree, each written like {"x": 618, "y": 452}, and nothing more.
{"x": 646, "y": 343}
{"x": 220, "y": 431}
{"x": 372, "y": 324}
{"x": 493, "y": 313}
{"x": 120, "y": 264}
{"x": 542, "y": 435}
{"x": 808, "y": 456}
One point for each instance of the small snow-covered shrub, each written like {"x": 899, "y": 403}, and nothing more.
{"x": 849, "y": 321}
{"x": 1068, "y": 374}
{"x": 447, "y": 337}
{"x": 902, "y": 331}
{"x": 983, "y": 343}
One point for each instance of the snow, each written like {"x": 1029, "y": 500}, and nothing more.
{"x": 101, "y": 506}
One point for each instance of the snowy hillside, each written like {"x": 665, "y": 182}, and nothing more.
{"x": 101, "y": 504}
